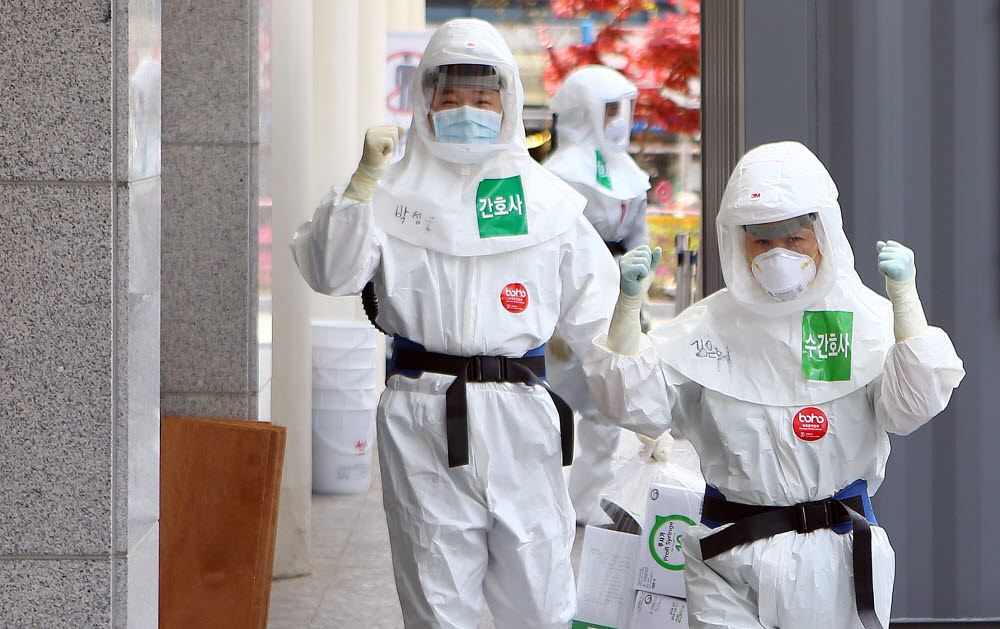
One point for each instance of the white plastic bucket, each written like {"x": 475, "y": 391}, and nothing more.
{"x": 330, "y": 378}
{"x": 342, "y": 334}
{"x": 342, "y": 444}
{"x": 344, "y": 399}
{"x": 335, "y": 472}
{"x": 344, "y": 358}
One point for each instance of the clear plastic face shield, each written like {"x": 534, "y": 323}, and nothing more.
{"x": 465, "y": 103}
{"x": 784, "y": 256}
{"x": 618, "y": 122}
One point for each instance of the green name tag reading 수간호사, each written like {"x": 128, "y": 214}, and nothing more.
{"x": 500, "y": 207}
{"x": 827, "y": 337}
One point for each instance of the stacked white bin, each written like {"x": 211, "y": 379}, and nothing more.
{"x": 343, "y": 405}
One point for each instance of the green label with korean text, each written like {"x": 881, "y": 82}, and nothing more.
{"x": 500, "y": 208}
{"x": 827, "y": 337}
{"x": 603, "y": 177}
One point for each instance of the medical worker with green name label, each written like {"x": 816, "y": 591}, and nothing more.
{"x": 787, "y": 383}
{"x": 594, "y": 108}
{"x": 476, "y": 253}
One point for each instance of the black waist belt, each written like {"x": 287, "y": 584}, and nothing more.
{"x": 616, "y": 247}
{"x": 754, "y": 522}
{"x": 529, "y": 370}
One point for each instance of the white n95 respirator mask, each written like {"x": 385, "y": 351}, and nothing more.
{"x": 783, "y": 274}
{"x": 466, "y": 125}
{"x": 616, "y": 131}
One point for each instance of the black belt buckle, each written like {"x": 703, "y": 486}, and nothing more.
{"x": 489, "y": 369}
{"x": 812, "y": 516}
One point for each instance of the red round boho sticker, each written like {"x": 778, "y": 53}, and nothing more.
{"x": 810, "y": 424}
{"x": 514, "y": 297}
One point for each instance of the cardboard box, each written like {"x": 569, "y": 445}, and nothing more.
{"x": 670, "y": 510}
{"x": 655, "y": 611}
{"x": 604, "y": 591}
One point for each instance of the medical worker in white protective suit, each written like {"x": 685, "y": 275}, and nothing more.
{"x": 594, "y": 108}
{"x": 786, "y": 383}
{"x": 476, "y": 253}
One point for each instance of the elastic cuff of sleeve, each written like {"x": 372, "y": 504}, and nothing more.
{"x": 361, "y": 188}
{"x": 895, "y": 290}
{"x": 629, "y": 303}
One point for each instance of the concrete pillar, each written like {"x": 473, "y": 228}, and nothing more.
{"x": 336, "y": 132}
{"x": 407, "y": 15}
{"x": 291, "y": 380}
{"x": 79, "y": 309}
{"x": 209, "y": 346}
{"x": 328, "y": 87}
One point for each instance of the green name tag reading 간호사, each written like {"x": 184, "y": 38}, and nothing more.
{"x": 500, "y": 208}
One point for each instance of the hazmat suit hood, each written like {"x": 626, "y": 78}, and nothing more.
{"x": 584, "y": 154}
{"x": 457, "y": 191}
{"x": 776, "y": 182}
{"x": 744, "y": 343}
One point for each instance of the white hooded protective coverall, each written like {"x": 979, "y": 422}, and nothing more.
{"x": 730, "y": 374}
{"x": 450, "y": 275}
{"x": 615, "y": 188}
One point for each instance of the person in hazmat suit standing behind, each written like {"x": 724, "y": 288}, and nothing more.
{"x": 594, "y": 108}
{"x": 476, "y": 253}
{"x": 786, "y": 383}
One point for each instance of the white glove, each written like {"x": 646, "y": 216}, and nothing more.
{"x": 656, "y": 449}
{"x": 895, "y": 261}
{"x": 380, "y": 142}
{"x": 637, "y": 267}
{"x": 558, "y": 347}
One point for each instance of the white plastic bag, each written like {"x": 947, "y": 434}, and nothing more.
{"x": 635, "y": 469}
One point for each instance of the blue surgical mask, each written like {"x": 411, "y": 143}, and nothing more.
{"x": 467, "y": 125}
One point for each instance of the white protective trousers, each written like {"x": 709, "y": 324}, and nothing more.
{"x": 751, "y": 454}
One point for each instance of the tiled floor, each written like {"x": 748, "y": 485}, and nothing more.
{"x": 351, "y": 586}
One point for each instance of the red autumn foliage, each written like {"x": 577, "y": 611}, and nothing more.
{"x": 661, "y": 58}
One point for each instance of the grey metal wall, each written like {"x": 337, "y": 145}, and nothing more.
{"x": 910, "y": 93}
{"x": 900, "y": 99}
{"x": 722, "y": 125}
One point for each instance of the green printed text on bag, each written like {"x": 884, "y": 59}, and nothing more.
{"x": 603, "y": 177}
{"x": 827, "y": 337}
{"x": 500, "y": 207}
{"x": 579, "y": 624}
